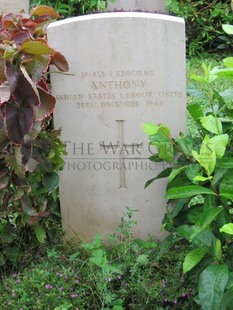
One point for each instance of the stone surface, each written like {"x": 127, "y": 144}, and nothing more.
{"x": 144, "y": 5}
{"x": 126, "y": 69}
{"x": 13, "y": 6}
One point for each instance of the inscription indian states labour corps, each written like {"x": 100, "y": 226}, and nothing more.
{"x": 122, "y": 149}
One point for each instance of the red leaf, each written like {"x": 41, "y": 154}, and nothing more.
{"x": 26, "y": 151}
{"x": 42, "y": 19}
{"x": 59, "y": 61}
{"x": 26, "y": 91}
{"x": 9, "y": 25}
{"x": 12, "y": 75}
{"x": 44, "y": 10}
{"x": 29, "y": 24}
{"x": 47, "y": 105}
{"x": 19, "y": 37}
{"x": 44, "y": 214}
{"x": 31, "y": 220}
{"x": 19, "y": 120}
{"x": 43, "y": 85}
{"x": 4, "y": 35}
{"x": 33, "y": 94}
{"x": 1, "y": 121}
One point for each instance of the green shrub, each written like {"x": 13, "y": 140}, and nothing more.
{"x": 204, "y": 21}
{"x": 68, "y": 8}
{"x": 200, "y": 187}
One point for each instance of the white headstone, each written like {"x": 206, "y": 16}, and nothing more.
{"x": 128, "y": 69}
{"x": 144, "y": 5}
{"x": 13, "y": 6}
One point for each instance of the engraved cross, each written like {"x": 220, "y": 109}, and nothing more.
{"x": 122, "y": 148}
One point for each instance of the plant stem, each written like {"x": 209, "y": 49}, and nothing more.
{"x": 177, "y": 147}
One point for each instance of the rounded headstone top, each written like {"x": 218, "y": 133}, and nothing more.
{"x": 13, "y": 6}
{"x": 143, "y": 5}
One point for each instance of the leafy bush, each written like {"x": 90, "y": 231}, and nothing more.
{"x": 203, "y": 24}
{"x": 30, "y": 155}
{"x": 72, "y": 7}
{"x": 200, "y": 187}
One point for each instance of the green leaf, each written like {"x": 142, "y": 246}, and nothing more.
{"x": 187, "y": 191}
{"x": 160, "y": 137}
{"x": 176, "y": 207}
{"x": 208, "y": 217}
{"x": 165, "y": 150}
{"x": 227, "y": 93}
{"x": 193, "y": 258}
{"x": 195, "y": 111}
{"x": 149, "y": 182}
{"x": 185, "y": 231}
{"x": 175, "y": 173}
{"x": 219, "y": 143}
{"x": 211, "y": 286}
{"x": 228, "y": 28}
{"x": 50, "y": 181}
{"x": 227, "y": 228}
{"x": 162, "y": 134}
{"x": 195, "y": 213}
{"x": 204, "y": 239}
{"x": 201, "y": 178}
{"x": 218, "y": 175}
{"x": 228, "y": 62}
{"x": 218, "y": 250}
{"x": 36, "y": 48}
{"x": 117, "y": 308}
{"x": 6, "y": 236}
{"x": 15, "y": 162}
{"x": 209, "y": 202}
{"x": 193, "y": 91}
{"x": 226, "y": 73}
{"x": 164, "y": 174}
{"x": 210, "y": 75}
{"x": 65, "y": 306}
{"x": 226, "y": 162}
{"x": 207, "y": 156}
{"x": 227, "y": 300}
{"x": 226, "y": 186}
{"x": 37, "y": 65}
{"x": 150, "y": 128}
{"x": 98, "y": 257}
{"x": 27, "y": 206}
{"x": 40, "y": 233}
{"x": 142, "y": 259}
{"x": 198, "y": 78}
{"x": 185, "y": 143}
{"x": 230, "y": 282}
{"x": 211, "y": 124}
{"x": 155, "y": 158}
{"x": 97, "y": 243}
{"x": 192, "y": 171}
